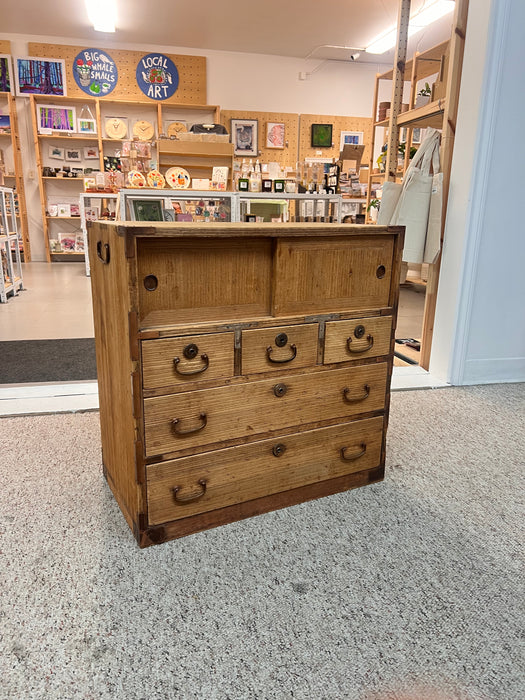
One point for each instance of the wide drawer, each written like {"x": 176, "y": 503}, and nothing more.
{"x": 170, "y": 361}
{"x": 183, "y": 487}
{"x": 275, "y": 349}
{"x": 356, "y": 339}
{"x": 207, "y": 416}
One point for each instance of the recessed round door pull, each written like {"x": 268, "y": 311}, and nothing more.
{"x": 151, "y": 283}
{"x": 199, "y": 370}
{"x": 356, "y": 399}
{"x": 354, "y": 455}
{"x": 192, "y": 497}
{"x": 269, "y": 351}
{"x": 380, "y": 272}
{"x": 175, "y": 425}
{"x": 280, "y": 390}
{"x": 357, "y": 349}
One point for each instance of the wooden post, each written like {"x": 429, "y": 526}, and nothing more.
{"x": 397, "y": 88}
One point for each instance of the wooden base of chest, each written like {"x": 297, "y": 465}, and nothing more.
{"x": 242, "y": 368}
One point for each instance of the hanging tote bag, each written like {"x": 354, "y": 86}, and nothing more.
{"x": 412, "y": 209}
{"x": 389, "y": 200}
{"x": 433, "y": 242}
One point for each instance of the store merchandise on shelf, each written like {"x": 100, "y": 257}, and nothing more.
{"x": 11, "y": 281}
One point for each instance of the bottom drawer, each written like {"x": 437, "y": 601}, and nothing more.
{"x": 196, "y": 484}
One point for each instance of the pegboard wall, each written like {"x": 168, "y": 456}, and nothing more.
{"x": 287, "y": 156}
{"x": 339, "y": 124}
{"x": 5, "y": 46}
{"x": 192, "y": 74}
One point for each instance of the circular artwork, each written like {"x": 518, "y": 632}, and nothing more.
{"x": 95, "y": 72}
{"x": 136, "y": 179}
{"x": 115, "y": 128}
{"x": 157, "y": 76}
{"x": 155, "y": 179}
{"x": 178, "y": 178}
{"x": 176, "y": 128}
{"x": 143, "y": 130}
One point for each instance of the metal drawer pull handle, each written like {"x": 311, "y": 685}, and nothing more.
{"x": 199, "y": 370}
{"x": 269, "y": 351}
{"x": 356, "y": 399}
{"x": 353, "y": 457}
{"x": 104, "y": 257}
{"x": 352, "y": 348}
{"x": 182, "y": 500}
{"x": 175, "y": 425}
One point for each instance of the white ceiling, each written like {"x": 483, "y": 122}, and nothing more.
{"x": 281, "y": 27}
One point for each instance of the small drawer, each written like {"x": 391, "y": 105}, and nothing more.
{"x": 281, "y": 348}
{"x": 190, "y": 485}
{"x": 196, "y": 419}
{"x": 169, "y": 361}
{"x": 357, "y": 338}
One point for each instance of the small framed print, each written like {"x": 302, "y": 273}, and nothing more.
{"x": 72, "y": 155}
{"x": 147, "y": 209}
{"x": 275, "y": 134}
{"x": 244, "y": 135}
{"x": 63, "y": 210}
{"x": 86, "y": 126}
{"x": 417, "y": 135}
{"x": 91, "y": 152}
{"x": 54, "y": 118}
{"x": 55, "y": 152}
{"x": 321, "y": 135}
{"x": 351, "y": 138}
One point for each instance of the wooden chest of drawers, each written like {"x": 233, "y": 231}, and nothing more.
{"x": 242, "y": 368}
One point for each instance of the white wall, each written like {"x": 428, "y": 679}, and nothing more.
{"x": 483, "y": 278}
{"x": 236, "y": 81}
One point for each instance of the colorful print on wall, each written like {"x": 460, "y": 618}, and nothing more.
{"x": 5, "y": 73}
{"x": 95, "y": 72}
{"x": 40, "y": 76}
{"x": 157, "y": 76}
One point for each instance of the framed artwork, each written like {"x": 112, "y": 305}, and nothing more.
{"x": 55, "y": 152}
{"x": 244, "y": 135}
{"x": 91, "y": 152}
{"x": 321, "y": 135}
{"x": 40, "y": 76}
{"x": 146, "y": 209}
{"x": 354, "y": 138}
{"x": 5, "y": 124}
{"x": 72, "y": 154}
{"x": 5, "y": 73}
{"x": 55, "y": 118}
{"x": 64, "y": 210}
{"x": 417, "y": 134}
{"x": 86, "y": 126}
{"x": 274, "y": 135}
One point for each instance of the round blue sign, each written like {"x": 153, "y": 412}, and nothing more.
{"x": 95, "y": 72}
{"x": 157, "y": 76}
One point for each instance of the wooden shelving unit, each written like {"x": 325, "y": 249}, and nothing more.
{"x": 445, "y": 61}
{"x": 10, "y": 145}
{"x": 198, "y": 156}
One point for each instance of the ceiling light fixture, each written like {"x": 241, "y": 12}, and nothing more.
{"x": 432, "y": 11}
{"x": 102, "y": 14}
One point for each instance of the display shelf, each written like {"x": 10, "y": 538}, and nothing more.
{"x": 13, "y": 156}
{"x": 11, "y": 281}
{"x": 102, "y": 109}
{"x": 196, "y": 155}
{"x": 428, "y": 115}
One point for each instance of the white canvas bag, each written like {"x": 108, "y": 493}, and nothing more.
{"x": 389, "y": 200}
{"x": 433, "y": 242}
{"x": 412, "y": 209}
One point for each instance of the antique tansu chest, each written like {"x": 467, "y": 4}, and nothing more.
{"x": 242, "y": 367}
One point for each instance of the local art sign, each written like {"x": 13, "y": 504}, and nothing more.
{"x": 95, "y": 72}
{"x": 157, "y": 76}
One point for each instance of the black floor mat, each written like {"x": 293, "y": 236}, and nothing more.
{"x": 62, "y": 360}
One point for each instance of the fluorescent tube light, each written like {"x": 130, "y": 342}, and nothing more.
{"x": 432, "y": 11}
{"x": 102, "y": 14}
